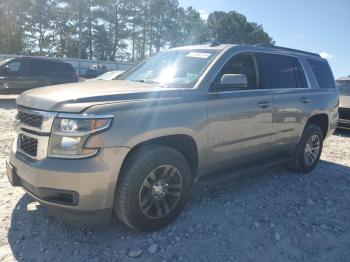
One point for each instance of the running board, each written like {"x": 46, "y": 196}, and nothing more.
{"x": 228, "y": 174}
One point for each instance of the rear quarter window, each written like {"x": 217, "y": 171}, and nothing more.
{"x": 323, "y": 73}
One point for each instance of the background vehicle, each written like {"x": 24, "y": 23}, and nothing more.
{"x": 110, "y": 75}
{"x": 95, "y": 70}
{"x": 343, "y": 85}
{"x": 135, "y": 145}
{"x": 20, "y": 74}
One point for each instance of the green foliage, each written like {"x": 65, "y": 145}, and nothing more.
{"x": 233, "y": 27}
{"x": 115, "y": 29}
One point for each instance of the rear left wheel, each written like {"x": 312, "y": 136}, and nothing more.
{"x": 309, "y": 150}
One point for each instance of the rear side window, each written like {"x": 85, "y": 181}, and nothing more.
{"x": 67, "y": 68}
{"x": 283, "y": 72}
{"x": 323, "y": 73}
{"x": 38, "y": 68}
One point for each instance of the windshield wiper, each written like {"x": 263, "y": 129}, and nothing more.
{"x": 149, "y": 82}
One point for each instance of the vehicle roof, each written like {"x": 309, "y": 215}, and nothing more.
{"x": 259, "y": 47}
{"x": 205, "y": 47}
{"x": 39, "y": 58}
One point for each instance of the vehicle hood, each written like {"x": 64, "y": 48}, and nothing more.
{"x": 344, "y": 101}
{"x": 76, "y": 97}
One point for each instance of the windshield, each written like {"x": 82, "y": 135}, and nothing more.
{"x": 4, "y": 61}
{"x": 173, "y": 69}
{"x": 344, "y": 87}
{"x": 109, "y": 75}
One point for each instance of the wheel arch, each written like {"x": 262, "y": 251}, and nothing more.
{"x": 321, "y": 120}
{"x": 183, "y": 143}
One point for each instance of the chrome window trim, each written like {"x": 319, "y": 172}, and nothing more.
{"x": 258, "y": 89}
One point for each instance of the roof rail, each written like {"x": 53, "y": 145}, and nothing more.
{"x": 288, "y": 49}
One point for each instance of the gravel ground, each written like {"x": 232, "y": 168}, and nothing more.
{"x": 274, "y": 215}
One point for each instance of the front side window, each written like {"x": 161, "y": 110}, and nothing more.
{"x": 283, "y": 72}
{"x": 13, "y": 68}
{"x": 245, "y": 64}
{"x": 173, "y": 69}
{"x": 323, "y": 73}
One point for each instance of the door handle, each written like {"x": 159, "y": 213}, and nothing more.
{"x": 305, "y": 100}
{"x": 264, "y": 104}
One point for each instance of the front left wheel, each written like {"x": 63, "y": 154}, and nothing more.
{"x": 153, "y": 188}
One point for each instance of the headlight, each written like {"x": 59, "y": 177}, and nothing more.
{"x": 70, "y": 132}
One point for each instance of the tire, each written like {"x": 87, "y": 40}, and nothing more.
{"x": 132, "y": 190}
{"x": 299, "y": 162}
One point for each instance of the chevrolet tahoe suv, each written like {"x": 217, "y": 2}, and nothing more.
{"x": 135, "y": 145}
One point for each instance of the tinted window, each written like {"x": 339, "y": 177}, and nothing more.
{"x": 13, "y": 68}
{"x": 323, "y": 73}
{"x": 67, "y": 68}
{"x": 283, "y": 72}
{"x": 245, "y": 64}
{"x": 38, "y": 68}
{"x": 299, "y": 73}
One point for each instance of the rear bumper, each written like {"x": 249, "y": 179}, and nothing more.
{"x": 71, "y": 186}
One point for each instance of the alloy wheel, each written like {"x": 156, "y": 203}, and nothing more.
{"x": 160, "y": 191}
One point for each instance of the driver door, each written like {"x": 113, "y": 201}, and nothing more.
{"x": 11, "y": 77}
{"x": 240, "y": 120}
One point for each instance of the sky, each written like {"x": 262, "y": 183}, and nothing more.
{"x": 320, "y": 26}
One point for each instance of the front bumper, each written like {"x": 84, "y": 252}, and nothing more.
{"x": 83, "y": 185}
{"x": 344, "y": 124}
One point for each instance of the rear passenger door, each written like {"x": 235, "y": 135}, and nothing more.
{"x": 286, "y": 78}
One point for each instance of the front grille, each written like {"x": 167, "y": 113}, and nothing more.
{"x": 30, "y": 119}
{"x": 28, "y": 145}
{"x": 344, "y": 113}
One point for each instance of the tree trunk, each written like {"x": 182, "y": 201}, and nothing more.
{"x": 80, "y": 25}
{"x": 133, "y": 39}
{"x": 116, "y": 34}
{"x": 143, "y": 51}
{"x": 90, "y": 30}
{"x": 151, "y": 39}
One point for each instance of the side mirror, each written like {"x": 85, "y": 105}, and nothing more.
{"x": 234, "y": 81}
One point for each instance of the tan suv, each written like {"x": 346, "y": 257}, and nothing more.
{"x": 135, "y": 145}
